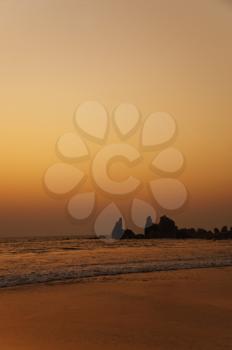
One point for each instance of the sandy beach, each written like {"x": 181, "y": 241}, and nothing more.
{"x": 189, "y": 309}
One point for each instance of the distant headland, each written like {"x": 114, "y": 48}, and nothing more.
{"x": 167, "y": 229}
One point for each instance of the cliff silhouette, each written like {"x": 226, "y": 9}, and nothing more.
{"x": 167, "y": 229}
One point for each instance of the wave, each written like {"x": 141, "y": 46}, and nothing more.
{"x": 80, "y": 274}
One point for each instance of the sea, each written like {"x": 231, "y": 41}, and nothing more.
{"x": 31, "y": 261}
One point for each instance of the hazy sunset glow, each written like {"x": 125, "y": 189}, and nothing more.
{"x": 174, "y": 57}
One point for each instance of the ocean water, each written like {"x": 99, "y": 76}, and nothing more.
{"x": 45, "y": 260}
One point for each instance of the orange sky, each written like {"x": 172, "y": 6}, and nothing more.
{"x": 172, "y": 56}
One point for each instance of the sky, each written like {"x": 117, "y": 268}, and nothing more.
{"x": 171, "y": 56}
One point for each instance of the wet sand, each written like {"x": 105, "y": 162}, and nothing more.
{"x": 190, "y": 309}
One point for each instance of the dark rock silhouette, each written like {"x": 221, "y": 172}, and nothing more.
{"x": 149, "y": 222}
{"x": 128, "y": 234}
{"x": 225, "y": 233}
{"x": 118, "y": 231}
{"x": 167, "y": 229}
{"x": 151, "y": 231}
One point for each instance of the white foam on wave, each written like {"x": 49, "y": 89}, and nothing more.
{"x": 64, "y": 276}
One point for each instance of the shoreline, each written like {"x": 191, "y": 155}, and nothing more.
{"x": 109, "y": 277}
